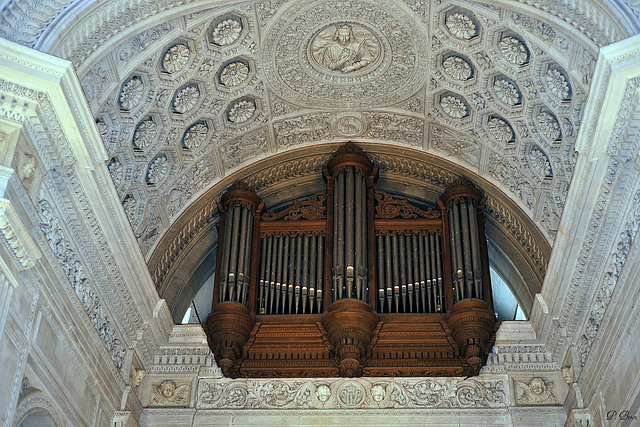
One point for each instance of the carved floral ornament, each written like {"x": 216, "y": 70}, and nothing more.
{"x": 461, "y": 26}
{"x": 457, "y": 68}
{"x": 227, "y": 32}
{"x": 540, "y": 162}
{"x": 131, "y": 93}
{"x": 500, "y": 129}
{"x": 186, "y": 99}
{"x": 145, "y": 134}
{"x": 506, "y": 91}
{"x": 158, "y": 169}
{"x": 557, "y": 83}
{"x": 453, "y": 106}
{"x": 234, "y": 74}
{"x": 548, "y": 125}
{"x": 129, "y": 204}
{"x": 514, "y": 50}
{"x": 176, "y": 58}
{"x": 195, "y": 135}
{"x": 241, "y": 111}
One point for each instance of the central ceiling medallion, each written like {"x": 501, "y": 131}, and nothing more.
{"x": 345, "y": 48}
{"x": 337, "y": 55}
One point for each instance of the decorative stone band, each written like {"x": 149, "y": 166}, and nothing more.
{"x": 371, "y": 393}
{"x": 81, "y": 284}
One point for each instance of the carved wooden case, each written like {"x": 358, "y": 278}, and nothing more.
{"x": 352, "y": 281}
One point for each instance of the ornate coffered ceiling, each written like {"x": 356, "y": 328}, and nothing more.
{"x": 186, "y": 96}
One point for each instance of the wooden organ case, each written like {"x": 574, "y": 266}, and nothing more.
{"x": 352, "y": 281}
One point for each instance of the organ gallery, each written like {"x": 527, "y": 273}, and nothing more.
{"x": 352, "y": 281}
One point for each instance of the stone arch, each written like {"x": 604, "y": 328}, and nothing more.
{"x": 36, "y": 408}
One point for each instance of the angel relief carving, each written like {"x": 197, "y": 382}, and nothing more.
{"x": 345, "y": 48}
{"x": 536, "y": 392}
{"x": 167, "y": 393}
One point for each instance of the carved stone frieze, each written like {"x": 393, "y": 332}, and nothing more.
{"x": 611, "y": 276}
{"x": 328, "y": 393}
{"x": 239, "y": 150}
{"x": 81, "y": 284}
{"x": 16, "y": 238}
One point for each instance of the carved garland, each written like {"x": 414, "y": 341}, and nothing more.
{"x": 311, "y": 209}
{"x": 348, "y": 394}
{"x": 390, "y": 208}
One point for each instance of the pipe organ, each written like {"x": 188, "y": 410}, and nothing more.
{"x": 352, "y": 281}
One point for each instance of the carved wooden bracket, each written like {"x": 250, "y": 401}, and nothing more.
{"x": 228, "y": 329}
{"x": 472, "y": 324}
{"x": 350, "y": 324}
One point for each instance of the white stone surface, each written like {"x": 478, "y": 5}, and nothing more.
{"x": 79, "y": 313}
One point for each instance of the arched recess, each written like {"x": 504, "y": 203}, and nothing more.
{"x": 184, "y": 257}
{"x": 35, "y": 408}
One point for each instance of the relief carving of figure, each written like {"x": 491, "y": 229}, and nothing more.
{"x": 537, "y": 391}
{"x": 345, "y": 49}
{"x": 167, "y": 393}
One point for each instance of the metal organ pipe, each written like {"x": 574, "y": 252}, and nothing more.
{"x": 237, "y": 242}
{"x": 475, "y": 248}
{"x": 466, "y": 265}
{"x": 350, "y": 170}
{"x": 338, "y": 247}
{"x": 466, "y": 247}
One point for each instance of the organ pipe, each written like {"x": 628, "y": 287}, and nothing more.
{"x": 292, "y": 266}
{"x": 350, "y": 171}
{"x": 238, "y": 206}
{"x": 460, "y": 200}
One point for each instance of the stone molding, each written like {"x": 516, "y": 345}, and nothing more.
{"x": 36, "y": 400}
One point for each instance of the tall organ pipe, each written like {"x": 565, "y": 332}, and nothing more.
{"x": 238, "y": 205}
{"x": 475, "y": 248}
{"x": 460, "y": 201}
{"x": 350, "y": 170}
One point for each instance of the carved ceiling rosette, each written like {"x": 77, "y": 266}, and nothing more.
{"x": 333, "y": 54}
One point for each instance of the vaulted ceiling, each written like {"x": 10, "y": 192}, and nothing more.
{"x": 190, "y": 96}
